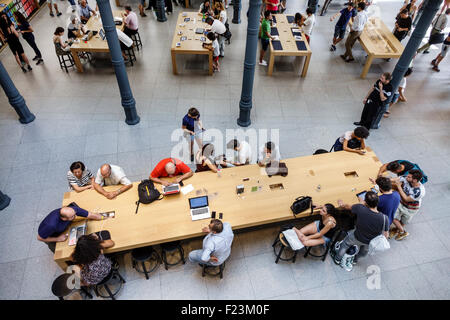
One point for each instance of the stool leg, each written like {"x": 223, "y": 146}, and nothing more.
{"x": 164, "y": 257}
{"x": 221, "y": 270}
{"x": 279, "y": 254}
{"x": 145, "y": 270}
{"x": 109, "y": 292}
{"x": 203, "y": 270}
{"x": 87, "y": 293}
{"x": 275, "y": 242}
{"x": 182, "y": 254}
{"x": 61, "y": 298}
{"x": 307, "y": 252}
{"x": 295, "y": 256}
{"x": 120, "y": 277}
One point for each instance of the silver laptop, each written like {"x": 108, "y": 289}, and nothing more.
{"x": 77, "y": 232}
{"x": 199, "y": 208}
{"x": 171, "y": 189}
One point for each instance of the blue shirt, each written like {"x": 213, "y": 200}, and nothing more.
{"x": 86, "y": 11}
{"x": 53, "y": 226}
{"x": 388, "y": 204}
{"x": 218, "y": 245}
{"x": 345, "y": 17}
{"x": 189, "y": 122}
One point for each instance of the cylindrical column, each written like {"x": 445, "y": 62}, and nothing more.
{"x": 245, "y": 105}
{"x": 160, "y": 10}
{"x": 237, "y": 6}
{"x": 429, "y": 11}
{"x": 128, "y": 102}
{"x": 4, "y": 200}
{"x": 15, "y": 99}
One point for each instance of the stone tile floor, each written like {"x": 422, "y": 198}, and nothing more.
{"x": 79, "y": 117}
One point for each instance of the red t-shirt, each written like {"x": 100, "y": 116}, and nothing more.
{"x": 273, "y": 6}
{"x": 160, "y": 171}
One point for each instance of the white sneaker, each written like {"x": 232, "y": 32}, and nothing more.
{"x": 263, "y": 63}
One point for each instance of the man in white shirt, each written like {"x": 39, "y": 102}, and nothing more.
{"x": 269, "y": 153}
{"x": 109, "y": 175}
{"x": 218, "y": 28}
{"x": 308, "y": 24}
{"x": 244, "y": 152}
{"x": 355, "y": 31}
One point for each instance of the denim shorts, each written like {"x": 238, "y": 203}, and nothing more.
{"x": 318, "y": 230}
{"x": 339, "y": 32}
{"x": 395, "y": 97}
{"x": 265, "y": 44}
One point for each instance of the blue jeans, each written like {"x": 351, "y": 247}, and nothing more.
{"x": 72, "y": 2}
{"x": 196, "y": 257}
{"x": 349, "y": 241}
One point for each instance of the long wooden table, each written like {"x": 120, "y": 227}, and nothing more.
{"x": 325, "y": 177}
{"x": 192, "y": 45}
{"x": 288, "y": 44}
{"x": 95, "y": 44}
{"x": 378, "y": 42}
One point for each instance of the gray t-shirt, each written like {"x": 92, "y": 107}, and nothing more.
{"x": 218, "y": 245}
{"x": 369, "y": 224}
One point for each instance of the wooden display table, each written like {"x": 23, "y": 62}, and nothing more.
{"x": 288, "y": 43}
{"x": 378, "y": 42}
{"x": 192, "y": 44}
{"x": 325, "y": 177}
{"x": 95, "y": 44}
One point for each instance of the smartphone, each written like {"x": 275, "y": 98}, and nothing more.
{"x": 220, "y": 216}
{"x": 213, "y": 215}
{"x": 181, "y": 183}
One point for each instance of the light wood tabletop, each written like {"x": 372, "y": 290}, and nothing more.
{"x": 193, "y": 43}
{"x": 95, "y": 44}
{"x": 325, "y": 177}
{"x": 378, "y": 42}
{"x": 288, "y": 43}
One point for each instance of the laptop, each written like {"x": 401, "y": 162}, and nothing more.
{"x": 199, "y": 208}
{"x": 102, "y": 34}
{"x": 77, "y": 232}
{"x": 172, "y": 189}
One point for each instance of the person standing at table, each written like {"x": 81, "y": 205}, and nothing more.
{"x": 375, "y": 98}
{"x": 193, "y": 129}
{"x": 131, "y": 22}
{"x": 170, "y": 167}
{"x": 339, "y": 30}
{"x": 79, "y": 177}
{"x": 206, "y": 9}
{"x": 355, "y": 31}
{"x": 27, "y": 33}
{"x": 85, "y": 11}
{"x": 52, "y": 227}
{"x": 111, "y": 175}
{"x": 219, "y": 29}
{"x": 265, "y": 36}
{"x": 216, "y": 245}
{"x": 402, "y": 25}
{"x": 244, "y": 152}
{"x": 308, "y": 24}
{"x": 272, "y": 6}
{"x": 389, "y": 199}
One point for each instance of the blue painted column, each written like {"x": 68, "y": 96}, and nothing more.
{"x": 237, "y": 6}
{"x": 429, "y": 11}
{"x": 160, "y": 10}
{"x": 14, "y": 97}
{"x": 128, "y": 102}
{"x": 245, "y": 105}
{"x": 4, "y": 200}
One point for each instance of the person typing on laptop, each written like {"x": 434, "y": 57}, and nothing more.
{"x": 52, "y": 227}
{"x": 216, "y": 245}
{"x": 170, "y": 167}
{"x": 111, "y": 175}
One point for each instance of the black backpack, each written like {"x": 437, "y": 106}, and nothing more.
{"x": 147, "y": 193}
{"x": 301, "y": 204}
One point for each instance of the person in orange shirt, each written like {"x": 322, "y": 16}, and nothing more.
{"x": 170, "y": 167}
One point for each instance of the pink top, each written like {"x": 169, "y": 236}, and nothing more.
{"x": 131, "y": 21}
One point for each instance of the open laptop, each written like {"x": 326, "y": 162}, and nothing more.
{"x": 172, "y": 189}
{"x": 199, "y": 208}
{"x": 77, "y": 232}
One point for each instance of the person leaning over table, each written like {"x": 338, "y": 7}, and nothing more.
{"x": 244, "y": 152}
{"x": 79, "y": 177}
{"x": 218, "y": 28}
{"x": 74, "y": 27}
{"x": 205, "y": 8}
{"x": 85, "y": 11}
{"x": 110, "y": 175}
{"x": 88, "y": 255}
{"x": 353, "y": 141}
{"x": 52, "y": 227}
{"x": 216, "y": 245}
{"x": 170, "y": 167}
{"x": 269, "y": 152}
{"x": 205, "y": 160}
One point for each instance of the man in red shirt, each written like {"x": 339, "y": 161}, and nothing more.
{"x": 272, "y": 6}
{"x": 170, "y": 167}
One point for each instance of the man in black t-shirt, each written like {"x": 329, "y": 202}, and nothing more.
{"x": 374, "y": 100}
{"x": 403, "y": 25}
{"x": 399, "y": 167}
{"x": 369, "y": 224}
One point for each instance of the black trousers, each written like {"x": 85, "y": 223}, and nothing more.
{"x": 369, "y": 114}
{"x": 169, "y": 5}
{"x": 30, "y": 39}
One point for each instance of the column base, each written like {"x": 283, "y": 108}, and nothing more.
{"x": 28, "y": 119}
{"x": 133, "y": 121}
{"x": 4, "y": 201}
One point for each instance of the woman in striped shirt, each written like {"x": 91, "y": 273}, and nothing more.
{"x": 79, "y": 177}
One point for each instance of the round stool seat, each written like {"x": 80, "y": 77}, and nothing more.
{"x": 59, "y": 286}
{"x": 142, "y": 254}
{"x": 170, "y": 246}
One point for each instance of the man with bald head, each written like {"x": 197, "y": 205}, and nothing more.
{"x": 52, "y": 227}
{"x": 170, "y": 167}
{"x": 111, "y": 175}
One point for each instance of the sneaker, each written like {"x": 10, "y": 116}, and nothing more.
{"x": 401, "y": 236}
{"x": 435, "y": 68}
{"x": 51, "y": 14}
{"x": 143, "y": 14}
{"x": 39, "y": 61}
{"x": 24, "y": 70}
{"x": 58, "y": 14}
{"x": 426, "y": 51}
{"x": 357, "y": 123}
{"x": 263, "y": 63}
{"x": 343, "y": 57}
{"x": 35, "y": 58}
{"x": 393, "y": 233}
{"x": 346, "y": 263}
{"x": 154, "y": 14}
{"x": 433, "y": 62}
{"x": 148, "y": 8}
{"x": 338, "y": 262}
{"x": 332, "y": 47}
{"x": 29, "y": 68}
{"x": 350, "y": 60}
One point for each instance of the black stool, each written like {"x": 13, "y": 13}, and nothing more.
{"x": 328, "y": 245}
{"x": 171, "y": 247}
{"x": 281, "y": 240}
{"x": 86, "y": 56}
{"x": 60, "y": 289}
{"x": 65, "y": 61}
{"x": 129, "y": 52}
{"x": 141, "y": 255}
{"x": 114, "y": 274}
{"x": 137, "y": 40}
{"x": 207, "y": 267}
